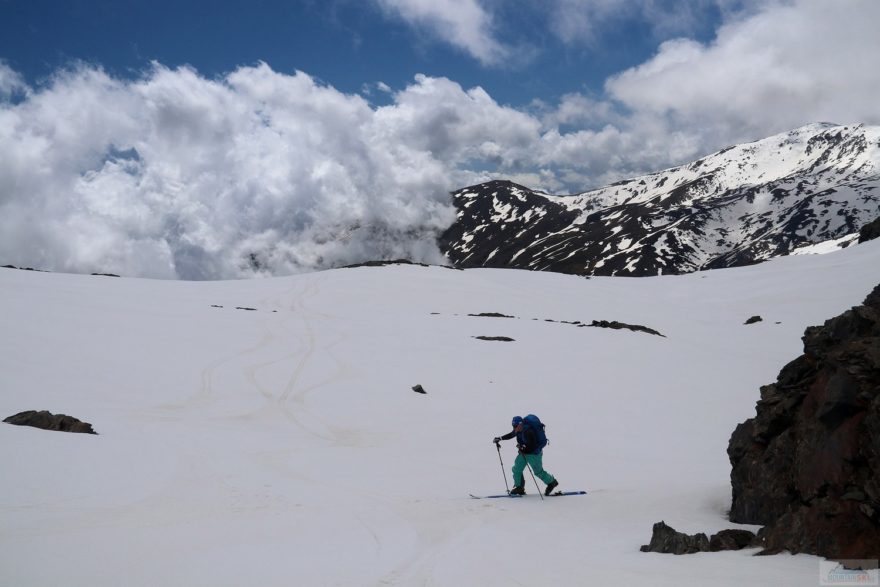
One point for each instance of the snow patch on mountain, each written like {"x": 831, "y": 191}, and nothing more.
{"x": 744, "y": 204}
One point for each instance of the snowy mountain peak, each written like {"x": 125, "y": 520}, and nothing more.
{"x": 741, "y": 205}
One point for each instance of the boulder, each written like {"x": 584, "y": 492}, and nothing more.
{"x": 666, "y": 540}
{"x": 732, "y": 540}
{"x": 807, "y": 466}
{"x": 48, "y": 421}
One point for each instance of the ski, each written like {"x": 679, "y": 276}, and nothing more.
{"x": 554, "y": 494}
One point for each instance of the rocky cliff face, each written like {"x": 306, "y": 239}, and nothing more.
{"x": 742, "y": 205}
{"x": 807, "y": 466}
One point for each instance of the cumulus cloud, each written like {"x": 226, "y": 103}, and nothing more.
{"x": 176, "y": 175}
{"x": 789, "y": 64}
{"x": 465, "y": 24}
{"x": 11, "y": 82}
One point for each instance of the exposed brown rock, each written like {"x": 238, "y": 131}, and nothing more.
{"x": 808, "y": 464}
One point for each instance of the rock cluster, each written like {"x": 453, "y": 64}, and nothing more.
{"x": 667, "y": 540}
{"x": 48, "y": 421}
{"x": 807, "y": 466}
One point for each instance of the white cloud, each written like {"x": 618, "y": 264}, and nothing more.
{"x": 583, "y": 21}
{"x": 175, "y": 175}
{"x": 787, "y": 65}
{"x": 465, "y": 24}
{"x": 11, "y": 82}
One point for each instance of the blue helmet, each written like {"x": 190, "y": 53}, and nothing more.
{"x": 517, "y": 420}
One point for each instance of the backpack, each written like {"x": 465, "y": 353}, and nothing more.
{"x": 532, "y": 421}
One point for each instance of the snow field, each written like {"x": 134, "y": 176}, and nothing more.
{"x": 284, "y": 446}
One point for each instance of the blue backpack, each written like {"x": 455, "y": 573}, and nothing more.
{"x": 532, "y": 421}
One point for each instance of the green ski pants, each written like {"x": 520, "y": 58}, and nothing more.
{"x": 536, "y": 463}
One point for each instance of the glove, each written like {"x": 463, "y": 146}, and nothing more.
{"x": 521, "y": 448}
{"x": 496, "y": 440}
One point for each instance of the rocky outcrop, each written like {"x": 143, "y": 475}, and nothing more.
{"x": 807, "y": 466}
{"x": 48, "y": 421}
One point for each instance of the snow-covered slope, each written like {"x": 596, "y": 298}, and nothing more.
{"x": 744, "y": 204}
{"x": 283, "y": 445}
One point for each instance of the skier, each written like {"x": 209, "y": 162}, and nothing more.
{"x": 529, "y": 443}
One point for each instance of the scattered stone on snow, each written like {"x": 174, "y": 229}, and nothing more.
{"x": 666, "y": 539}
{"x": 614, "y": 324}
{"x": 48, "y": 421}
{"x": 734, "y": 539}
{"x": 490, "y": 315}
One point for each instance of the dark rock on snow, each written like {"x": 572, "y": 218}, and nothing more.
{"x": 666, "y": 540}
{"x": 620, "y": 326}
{"x": 732, "y": 540}
{"x": 49, "y": 421}
{"x": 754, "y": 320}
{"x": 495, "y": 338}
{"x": 490, "y": 315}
{"x": 419, "y": 389}
{"x": 870, "y": 231}
{"x": 808, "y": 464}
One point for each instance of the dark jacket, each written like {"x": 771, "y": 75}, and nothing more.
{"x": 527, "y": 440}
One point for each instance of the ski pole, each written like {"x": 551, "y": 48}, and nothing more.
{"x": 503, "y": 474}
{"x": 533, "y": 478}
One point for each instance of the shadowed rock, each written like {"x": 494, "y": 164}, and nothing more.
{"x": 666, "y": 540}
{"x": 48, "y": 421}
{"x": 615, "y": 325}
{"x": 870, "y": 231}
{"x": 808, "y": 464}
{"x": 732, "y": 540}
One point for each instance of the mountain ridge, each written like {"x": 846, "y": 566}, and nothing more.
{"x": 741, "y": 205}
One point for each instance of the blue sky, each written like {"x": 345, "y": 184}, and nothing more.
{"x": 346, "y": 43}
{"x": 182, "y": 139}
